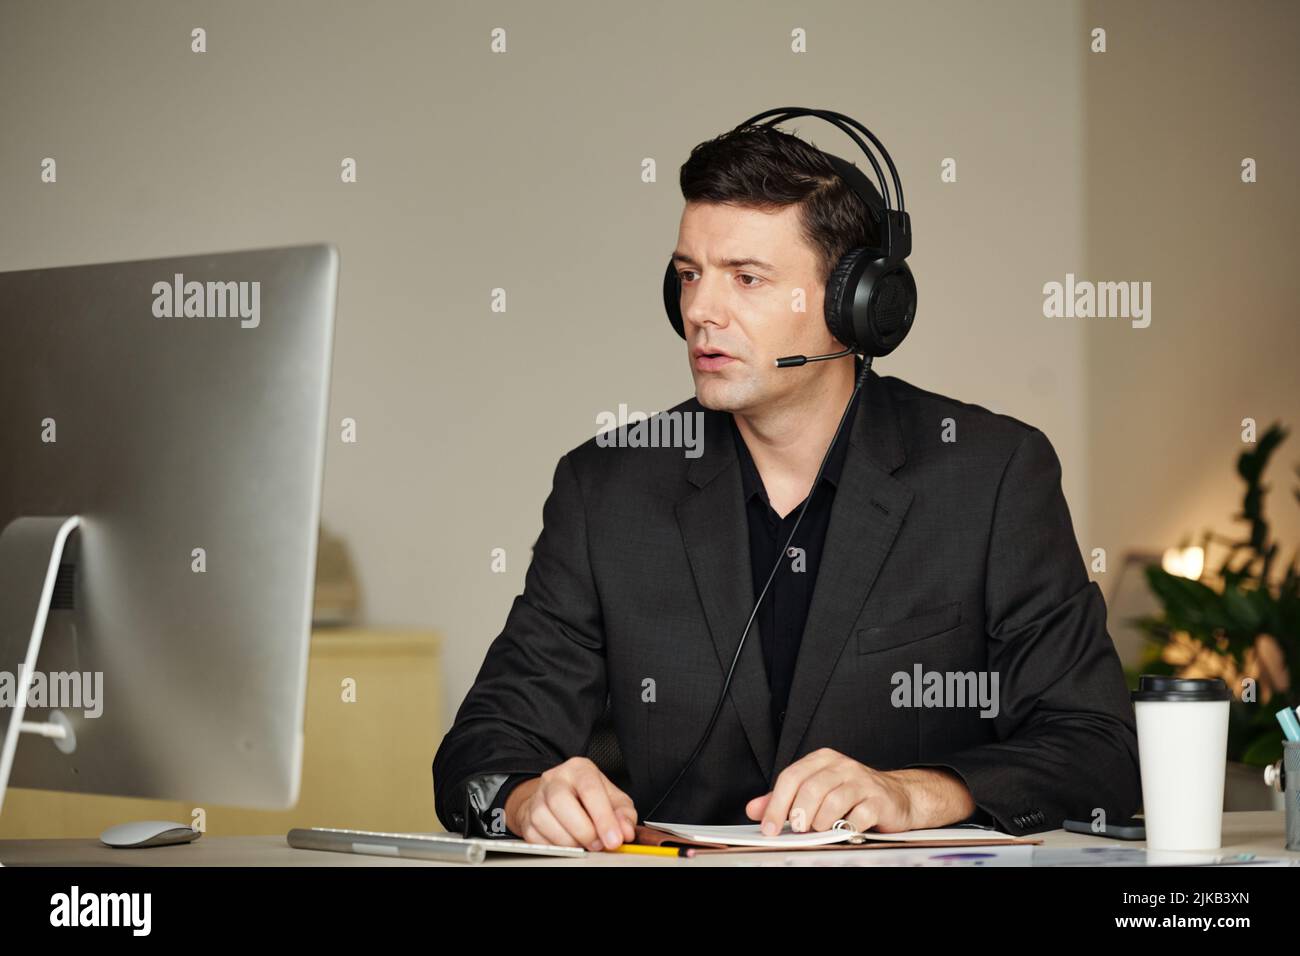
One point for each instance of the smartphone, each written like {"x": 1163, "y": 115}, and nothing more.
{"x": 1134, "y": 828}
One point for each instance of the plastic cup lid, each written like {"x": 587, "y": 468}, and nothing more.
{"x": 1158, "y": 687}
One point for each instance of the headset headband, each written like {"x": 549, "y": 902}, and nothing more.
{"x": 896, "y": 236}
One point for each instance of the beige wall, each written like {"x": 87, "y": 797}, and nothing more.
{"x": 522, "y": 171}
{"x": 1184, "y": 93}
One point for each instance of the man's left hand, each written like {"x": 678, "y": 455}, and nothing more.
{"x": 825, "y": 786}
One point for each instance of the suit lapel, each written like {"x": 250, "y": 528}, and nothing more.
{"x": 716, "y": 535}
{"x": 868, "y": 510}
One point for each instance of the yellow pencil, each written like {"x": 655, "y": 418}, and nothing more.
{"x": 649, "y": 850}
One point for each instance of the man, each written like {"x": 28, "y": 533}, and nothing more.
{"x": 930, "y": 651}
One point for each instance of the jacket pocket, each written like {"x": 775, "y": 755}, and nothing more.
{"x": 915, "y": 628}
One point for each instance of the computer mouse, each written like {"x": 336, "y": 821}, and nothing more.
{"x": 143, "y": 833}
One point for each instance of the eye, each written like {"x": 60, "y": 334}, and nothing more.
{"x": 750, "y": 285}
{"x": 682, "y": 275}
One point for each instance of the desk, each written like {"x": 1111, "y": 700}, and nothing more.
{"x": 1256, "y": 831}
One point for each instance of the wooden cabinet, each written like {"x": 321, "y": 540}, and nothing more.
{"x": 367, "y": 764}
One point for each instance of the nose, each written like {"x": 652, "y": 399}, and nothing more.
{"x": 703, "y": 302}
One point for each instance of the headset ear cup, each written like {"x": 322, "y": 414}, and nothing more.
{"x": 889, "y": 293}
{"x": 838, "y": 303}
{"x": 870, "y": 302}
{"x": 673, "y": 299}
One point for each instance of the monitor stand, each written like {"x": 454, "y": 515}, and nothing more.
{"x": 30, "y": 552}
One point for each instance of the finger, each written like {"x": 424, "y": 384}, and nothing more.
{"x": 781, "y": 796}
{"x": 548, "y": 826}
{"x": 595, "y": 800}
{"x": 754, "y": 809}
{"x": 624, "y": 809}
{"x": 837, "y": 804}
{"x": 568, "y": 809}
{"x": 822, "y": 779}
{"x": 863, "y": 816}
{"x": 788, "y": 784}
{"x": 807, "y": 801}
{"x": 617, "y": 798}
{"x": 627, "y": 820}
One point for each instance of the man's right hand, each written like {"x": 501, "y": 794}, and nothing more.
{"x": 573, "y": 804}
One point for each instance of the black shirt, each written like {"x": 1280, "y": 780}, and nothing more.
{"x": 784, "y": 610}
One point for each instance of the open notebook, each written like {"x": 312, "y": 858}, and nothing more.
{"x": 842, "y": 835}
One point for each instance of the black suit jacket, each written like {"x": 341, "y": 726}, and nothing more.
{"x": 954, "y": 556}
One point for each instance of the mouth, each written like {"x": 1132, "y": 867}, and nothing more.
{"x": 710, "y": 359}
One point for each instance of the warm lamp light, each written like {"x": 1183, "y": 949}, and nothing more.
{"x": 1184, "y": 562}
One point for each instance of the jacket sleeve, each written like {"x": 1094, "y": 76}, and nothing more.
{"x": 541, "y": 687}
{"x": 485, "y": 810}
{"x": 1066, "y": 740}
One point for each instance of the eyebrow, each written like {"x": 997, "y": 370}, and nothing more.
{"x": 684, "y": 258}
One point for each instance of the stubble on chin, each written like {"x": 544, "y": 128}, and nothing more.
{"x": 720, "y": 396}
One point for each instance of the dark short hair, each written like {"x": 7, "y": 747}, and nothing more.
{"x": 765, "y": 168}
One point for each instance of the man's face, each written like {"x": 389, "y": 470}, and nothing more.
{"x": 745, "y": 276}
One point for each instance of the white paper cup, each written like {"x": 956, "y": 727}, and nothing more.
{"x": 1182, "y": 729}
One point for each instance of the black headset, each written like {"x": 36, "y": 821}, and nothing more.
{"x": 870, "y": 296}
{"x": 870, "y": 304}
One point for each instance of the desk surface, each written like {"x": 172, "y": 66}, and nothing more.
{"x": 1259, "y": 832}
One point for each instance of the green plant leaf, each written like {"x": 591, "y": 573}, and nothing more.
{"x": 1263, "y": 750}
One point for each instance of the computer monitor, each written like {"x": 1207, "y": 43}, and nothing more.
{"x": 162, "y": 442}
